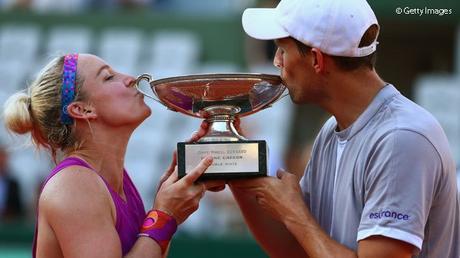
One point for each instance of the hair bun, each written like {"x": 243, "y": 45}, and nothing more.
{"x": 17, "y": 114}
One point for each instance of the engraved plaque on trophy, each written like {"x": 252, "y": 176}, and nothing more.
{"x": 219, "y": 99}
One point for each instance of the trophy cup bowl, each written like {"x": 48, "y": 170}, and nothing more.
{"x": 218, "y": 99}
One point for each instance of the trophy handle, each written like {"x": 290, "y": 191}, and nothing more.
{"x": 148, "y": 78}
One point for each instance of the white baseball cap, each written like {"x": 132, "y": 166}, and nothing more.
{"x": 333, "y": 26}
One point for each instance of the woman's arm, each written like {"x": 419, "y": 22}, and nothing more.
{"x": 80, "y": 212}
{"x": 77, "y": 207}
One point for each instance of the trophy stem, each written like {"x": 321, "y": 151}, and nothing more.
{"x": 221, "y": 129}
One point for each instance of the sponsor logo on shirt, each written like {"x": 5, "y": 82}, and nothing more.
{"x": 388, "y": 214}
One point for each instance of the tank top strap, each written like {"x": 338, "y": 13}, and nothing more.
{"x": 74, "y": 161}
{"x": 67, "y": 162}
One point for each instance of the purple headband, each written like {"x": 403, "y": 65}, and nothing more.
{"x": 69, "y": 74}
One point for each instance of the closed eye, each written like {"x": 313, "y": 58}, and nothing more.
{"x": 109, "y": 77}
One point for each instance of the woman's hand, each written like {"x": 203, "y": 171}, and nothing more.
{"x": 169, "y": 171}
{"x": 197, "y": 135}
{"x": 180, "y": 198}
{"x": 204, "y": 127}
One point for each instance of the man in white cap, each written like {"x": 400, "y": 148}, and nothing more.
{"x": 381, "y": 179}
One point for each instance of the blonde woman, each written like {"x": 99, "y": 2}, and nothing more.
{"x": 83, "y": 110}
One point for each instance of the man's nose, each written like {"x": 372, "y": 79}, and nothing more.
{"x": 277, "y": 61}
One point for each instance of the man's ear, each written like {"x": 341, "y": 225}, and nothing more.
{"x": 80, "y": 110}
{"x": 318, "y": 60}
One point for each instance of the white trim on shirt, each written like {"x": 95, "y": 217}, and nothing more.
{"x": 391, "y": 233}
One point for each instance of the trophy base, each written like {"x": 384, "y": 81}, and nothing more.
{"x": 231, "y": 160}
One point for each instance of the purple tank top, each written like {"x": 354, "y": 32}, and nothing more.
{"x": 130, "y": 213}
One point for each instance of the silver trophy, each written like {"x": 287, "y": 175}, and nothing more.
{"x": 219, "y": 99}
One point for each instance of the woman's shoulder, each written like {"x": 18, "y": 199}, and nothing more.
{"x": 75, "y": 189}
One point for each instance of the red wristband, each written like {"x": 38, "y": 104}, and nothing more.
{"x": 160, "y": 227}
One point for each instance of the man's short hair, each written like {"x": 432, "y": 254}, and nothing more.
{"x": 353, "y": 63}
{"x": 350, "y": 63}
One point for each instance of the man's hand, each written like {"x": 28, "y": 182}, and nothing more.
{"x": 280, "y": 196}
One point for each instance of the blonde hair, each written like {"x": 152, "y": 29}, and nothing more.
{"x": 38, "y": 108}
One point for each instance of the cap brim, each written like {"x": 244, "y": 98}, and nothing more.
{"x": 262, "y": 23}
